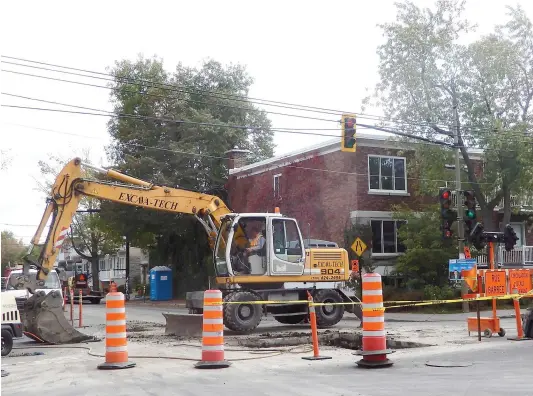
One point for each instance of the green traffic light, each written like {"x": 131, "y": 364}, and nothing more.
{"x": 470, "y": 214}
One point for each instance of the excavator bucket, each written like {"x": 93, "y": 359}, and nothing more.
{"x": 187, "y": 325}
{"x": 44, "y": 320}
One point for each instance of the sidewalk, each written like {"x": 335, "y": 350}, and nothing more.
{"x": 453, "y": 317}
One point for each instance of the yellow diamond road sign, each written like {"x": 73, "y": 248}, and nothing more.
{"x": 358, "y": 246}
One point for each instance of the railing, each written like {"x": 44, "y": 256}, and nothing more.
{"x": 516, "y": 201}
{"x": 107, "y": 275}
{"x": 520, "y": 256}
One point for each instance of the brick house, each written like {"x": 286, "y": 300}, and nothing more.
{"x": 326, "y": 190}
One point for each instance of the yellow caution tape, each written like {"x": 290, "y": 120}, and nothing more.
{"x": 402, "y": 303}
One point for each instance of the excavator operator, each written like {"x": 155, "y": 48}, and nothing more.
{"x": 255, "y": 241}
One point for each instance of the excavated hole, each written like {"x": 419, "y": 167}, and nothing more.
{"x": 332, "y": 338}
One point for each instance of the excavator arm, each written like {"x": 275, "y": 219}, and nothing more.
{"x": 69, "y": 188}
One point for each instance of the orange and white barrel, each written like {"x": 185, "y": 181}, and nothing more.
{"x": 116, "y": 343}
{"x": 374, "y": 345}
{"x": 213, "y": 332}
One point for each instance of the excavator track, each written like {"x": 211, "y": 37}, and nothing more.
{"x": 44, "y": 320}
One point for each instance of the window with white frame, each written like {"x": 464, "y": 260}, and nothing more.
{"x": 101, "y": 264}
{"x": 386, "y": 173}
{"x": 121, "y": 263}
{"x": 385, "y": 236}
{"x": 277, "y": 186}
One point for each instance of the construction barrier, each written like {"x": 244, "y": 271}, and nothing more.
{"x": 80, "y": 309}
{"x": 314, "y": 332}
{"x": 65, "y": 300}
{"x": 213, "y": 332}
{"x": 116, "y": 343}
{"x": 71, "y": 293}
{"x": 374, "y": 350}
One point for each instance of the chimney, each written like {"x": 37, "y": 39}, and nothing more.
{"x": 237, "y": 158}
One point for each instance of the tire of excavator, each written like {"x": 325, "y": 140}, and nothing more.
{"x": 327, "y": 316}
{"x": 242, "y": 318}
{"x": 291, "y": 320}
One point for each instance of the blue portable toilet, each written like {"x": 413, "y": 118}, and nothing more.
{"x": 160, "y": 283}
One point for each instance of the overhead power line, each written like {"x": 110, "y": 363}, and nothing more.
{"x": 242, "y": 127}
{"x": 479, "y": 128}
{"x": 182, "y": 88}
{"x": 279, "y": 158}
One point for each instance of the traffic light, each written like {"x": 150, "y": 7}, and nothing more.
{"x": 348, "y": 133}
{"x": 477, "y": 237}
{"x": 447, "y": 215}
{"x": 470, "y": 216}
{"x": 509, "y": 237}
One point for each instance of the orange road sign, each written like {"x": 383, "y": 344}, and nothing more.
{"x": 495, "y": 283}
{"x": 467, "y": 252}
{"x": 520, "y": 279}
{"x": 355, "y": 265}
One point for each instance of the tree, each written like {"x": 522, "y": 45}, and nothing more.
{"x": 90, "y": 236}
{"x": 174, "y": 130}
{"x": 481, "y": 91}
{"x": 12, "y": 249}
{"x": 425, "y": 261}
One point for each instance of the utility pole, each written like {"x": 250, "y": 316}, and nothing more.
{"x": 460, "y": 225}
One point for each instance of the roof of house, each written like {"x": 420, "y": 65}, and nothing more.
{"x": 326, "y": 147}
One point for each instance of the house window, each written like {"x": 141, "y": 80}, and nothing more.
{"x": 385, "y": 236}
{"x": 277, "y": 186}
{"x": 121, "y": 263}
{"x": 386, "y": 173}
{"x": 101, "y": 263}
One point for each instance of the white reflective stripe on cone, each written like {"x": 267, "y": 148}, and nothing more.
{"x": 115, "y": 335}
{"x": 213, "y": 307}
{"x": 375, "y": 319}
{"x": 214, "y": 321}
{"x": 117, "y": 349}
{"x": 372, "y": 292}
{"x": 116, "y": 310}
{"x": 213, "y": 334}
{"x": 214, "y": 293}
{"x": 116, "y": 322}
{"x": 373, "y": 305}
{"x": 115, "y": 297}
{"x": 213, "y": 347}
{"x": 371, "y": 279}
{"x": 373, "y": 333}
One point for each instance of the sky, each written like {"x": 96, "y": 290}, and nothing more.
{"x": 297, "y": 52}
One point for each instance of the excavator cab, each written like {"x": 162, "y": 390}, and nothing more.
{"x": 259, "y": 245}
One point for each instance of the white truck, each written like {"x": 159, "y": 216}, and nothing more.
{"x": 21, "y": 295}
{"x": 11, "y": 323}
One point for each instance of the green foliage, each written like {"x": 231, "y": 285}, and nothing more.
{"x": 179, "y": 154}
{"x": 432, "y": 292}
{"x": 12, "y": 249}
{"x": 437, "y": 84}
{"x": 425, "y": 261}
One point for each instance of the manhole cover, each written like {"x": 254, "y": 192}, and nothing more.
{"x": 448, "y": 364}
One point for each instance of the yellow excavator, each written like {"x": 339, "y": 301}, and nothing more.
{"x": 257, "y": 256}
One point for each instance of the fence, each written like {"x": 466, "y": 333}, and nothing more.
{"x": 521, "y": 256}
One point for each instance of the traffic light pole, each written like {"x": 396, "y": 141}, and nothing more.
{"x": 460, "y": 225}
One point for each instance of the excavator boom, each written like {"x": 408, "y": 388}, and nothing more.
{"x": 43, "y": 316}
